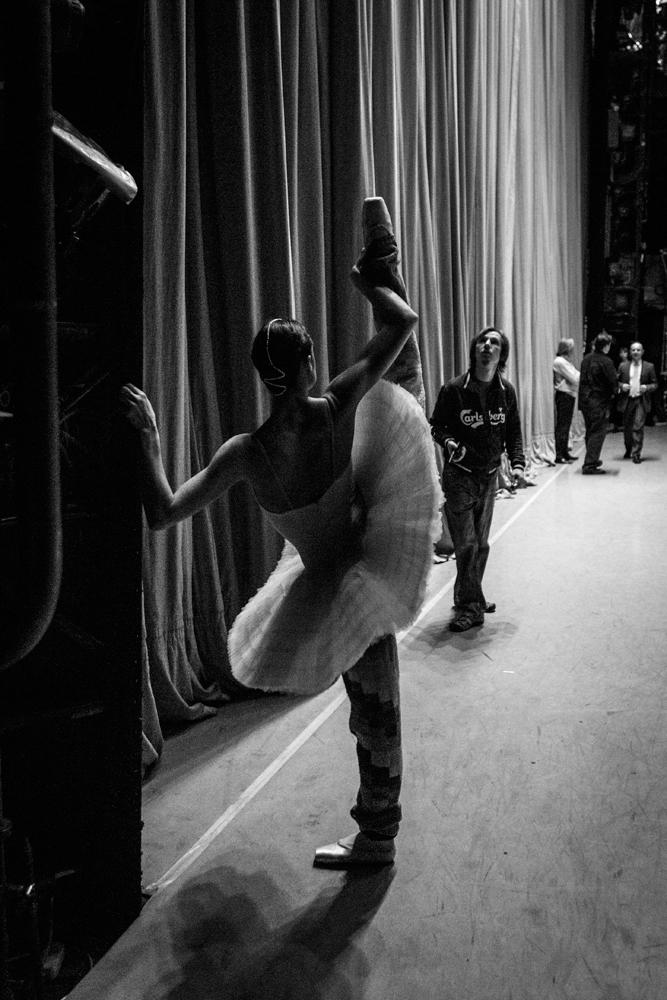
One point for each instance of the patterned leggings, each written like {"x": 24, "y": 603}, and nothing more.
{"x": 372, "y": 685}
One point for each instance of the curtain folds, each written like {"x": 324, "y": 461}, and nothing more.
{"x": 267, "y": 124}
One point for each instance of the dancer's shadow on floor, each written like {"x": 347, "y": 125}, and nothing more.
{"x": 436, "y": 636}
{"x": 237, "y": 936}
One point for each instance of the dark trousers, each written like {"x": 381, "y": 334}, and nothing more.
{"x": 596, "y": 420}
{"x": 372, "y": 685}
{"x": 469, "y": 503}
{"x": 564, "y": 406}
{"x": 634, "y": 418}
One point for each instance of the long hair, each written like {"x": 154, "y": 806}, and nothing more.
{"x": 504, "y": 346}
{"x": 277, "y": 352}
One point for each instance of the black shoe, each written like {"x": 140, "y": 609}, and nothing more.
{"x": 627, "y": 455}
{"x": 637, "y": 459}
{"x": 561, "y": 460}
{"x": 593, "y": 471}
{"x": 598, "y": 463}
{"x": 466, "y": 619}
{"x": 571, "y": 458}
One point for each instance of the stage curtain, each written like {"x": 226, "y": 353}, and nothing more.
{"x": 267, "y": 123}
{"x": 184, "y": 660}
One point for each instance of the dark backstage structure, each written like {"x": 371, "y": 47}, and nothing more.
{"x": 333, "y": 476}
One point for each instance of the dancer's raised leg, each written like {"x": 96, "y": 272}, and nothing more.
{"x": 379, "y": 265}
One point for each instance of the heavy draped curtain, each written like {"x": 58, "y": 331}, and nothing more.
{"x": 267, "y": 123}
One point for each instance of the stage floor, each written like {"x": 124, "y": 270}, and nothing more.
{"x": 530, "y": 862}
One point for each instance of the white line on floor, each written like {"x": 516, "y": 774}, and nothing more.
{"x": 251, "y": 791}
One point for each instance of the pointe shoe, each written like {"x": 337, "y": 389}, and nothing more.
{"x": 379, "y": 260}
{"x": 376, "y": 220}
{"x": 355, "y": 851}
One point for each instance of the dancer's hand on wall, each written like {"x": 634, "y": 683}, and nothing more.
{"x": 137, "y": 408}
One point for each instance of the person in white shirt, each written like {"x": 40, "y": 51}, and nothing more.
{"x": 637, "y": 383}
{"x": 566, "y": 386}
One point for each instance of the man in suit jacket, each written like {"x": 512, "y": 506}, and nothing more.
{"x": 637, "y": 383}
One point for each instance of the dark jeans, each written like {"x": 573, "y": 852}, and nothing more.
{"x": 634, "y": 418}
{"x": 596, "y": 420}
{"x": 469, "y": 502}
{"x": 564, "y": 404}
{"x": 372, "y": 685}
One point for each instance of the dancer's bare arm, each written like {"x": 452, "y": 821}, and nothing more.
{"x": 394, "y": 320}
{"x": 164, "y": 506}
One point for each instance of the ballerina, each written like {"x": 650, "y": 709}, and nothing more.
{"x": 349, "y": 480}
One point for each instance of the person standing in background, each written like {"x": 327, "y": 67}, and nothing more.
{"x": 637, "y": 383}
{"x": 566, "y": 386}
{"x": 616, "y": 416}
{"x": 597, "y": 387}
{"x": 475, "y": 421}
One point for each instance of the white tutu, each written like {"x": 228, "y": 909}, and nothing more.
{"x": 341, "y": 584}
